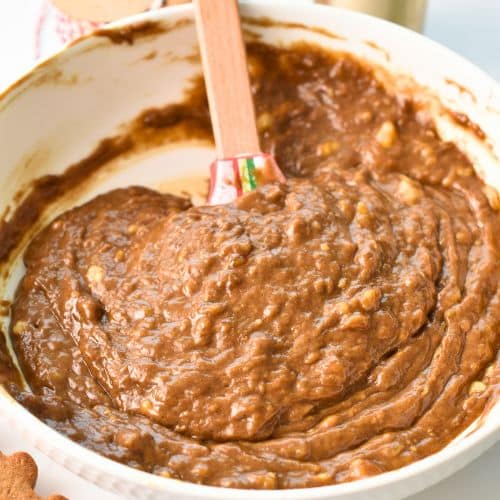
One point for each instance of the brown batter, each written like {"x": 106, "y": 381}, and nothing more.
{"x": 338, "y": 326}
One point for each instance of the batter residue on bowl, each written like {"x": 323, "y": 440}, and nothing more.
{"x": 335, "y": 327}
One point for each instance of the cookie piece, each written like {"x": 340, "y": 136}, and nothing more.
{"x": 18, "y": 474}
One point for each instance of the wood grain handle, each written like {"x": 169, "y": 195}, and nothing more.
{"x": 226, "y": 77}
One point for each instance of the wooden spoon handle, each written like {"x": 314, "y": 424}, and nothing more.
{"x": 226, "y": 77}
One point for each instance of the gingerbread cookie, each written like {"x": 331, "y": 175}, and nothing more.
{"x": 18, "y": 474}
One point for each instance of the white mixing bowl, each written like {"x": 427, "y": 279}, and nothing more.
{"x": 57, "y": 114}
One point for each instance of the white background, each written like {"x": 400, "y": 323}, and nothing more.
{"x": 471, "y": 27}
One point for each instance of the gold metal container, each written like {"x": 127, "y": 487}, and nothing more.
{"x": 409, "y": 13}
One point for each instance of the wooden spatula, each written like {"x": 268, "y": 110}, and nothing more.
{"x": 240, "y": 165}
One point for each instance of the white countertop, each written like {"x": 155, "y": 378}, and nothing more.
{"x": 469, "y": 27}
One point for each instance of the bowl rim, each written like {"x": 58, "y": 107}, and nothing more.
{"x": 26, "y": 420}
{"x": 474, "y": 442}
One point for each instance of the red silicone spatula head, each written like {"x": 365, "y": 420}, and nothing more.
{"x": 240, "y": 165}
{"x": 236, "y": 176}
